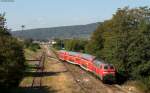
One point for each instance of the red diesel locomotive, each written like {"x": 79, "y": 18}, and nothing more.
{"x": 90, "y": 63}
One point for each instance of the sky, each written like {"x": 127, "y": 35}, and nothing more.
{"x": 53, "y": 13}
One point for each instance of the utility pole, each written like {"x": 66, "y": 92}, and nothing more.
{"x": 22, "y": 26}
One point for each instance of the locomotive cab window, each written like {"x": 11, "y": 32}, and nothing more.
{"x": 111, "y": 67}
{"x": 105, "y": 67}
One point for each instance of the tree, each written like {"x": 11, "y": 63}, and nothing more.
{"x": 75, "y": 45}
{"x": 3, "y": 29}
{"x": 124, "y": 41}
{"x": 95, "y": 45}
{"x": 12, "y": 61}
{"x": 59, "y": 43}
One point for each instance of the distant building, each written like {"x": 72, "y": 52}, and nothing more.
{"x": 52, "y": 42}
{"x": 36, "y": 42}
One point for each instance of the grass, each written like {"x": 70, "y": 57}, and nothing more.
{"x": 25, "y": 85}
{"x": 137, "y": 86}
{"x": 54, "y": 51}
{"x": 31, "y": 54}
{"x": 141, "y": 86}
{"x": 43, "y": 89}
{"x": 27, "y": 80}
{"x": 31, "y": 68}
{"x": 28, "y": 53}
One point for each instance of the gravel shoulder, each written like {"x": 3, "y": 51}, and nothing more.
{"x": 59, "y": 78}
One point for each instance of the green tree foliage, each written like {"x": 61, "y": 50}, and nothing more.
{"x": 3, "y": 29}
{"x": 59, "y": 44}
{"x": 12, "y": 61}
{"x": 124, "y": 41}
{"x": 75, "y": 45}
{"x": 96, "y": 43}
{"x": 32, "y": 46}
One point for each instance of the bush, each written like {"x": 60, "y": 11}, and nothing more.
{"x": 121, "y": 77}
{"x": 32, "y": 46}
{"x": 75, "y": 45}
{"x": 12, "y": 62}
{"x": 59, "y": 44}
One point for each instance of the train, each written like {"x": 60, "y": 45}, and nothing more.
{"x": 103, "y": 70}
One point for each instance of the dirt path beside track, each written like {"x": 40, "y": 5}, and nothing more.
{"x": 60, "y": 79}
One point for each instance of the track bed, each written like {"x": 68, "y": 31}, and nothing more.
{"x": 88, "y": 82}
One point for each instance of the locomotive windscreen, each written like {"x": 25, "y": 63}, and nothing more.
{"x": 97, "y": 62}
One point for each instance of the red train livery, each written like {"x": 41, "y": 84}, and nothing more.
{"x": 90, "y": 63}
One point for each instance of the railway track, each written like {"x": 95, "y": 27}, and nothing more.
{"x": 75, "y": 78}
{"x": 37, "y": 80}
{"x": 88, "y": 82}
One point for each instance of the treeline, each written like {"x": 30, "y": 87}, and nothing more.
{"x": 71, "y": 44}
{"x": 63, "y": 32}
{"x": 29, "y": 44}
{"x": 124, "y": 41}
{"x": 12, "y": 61}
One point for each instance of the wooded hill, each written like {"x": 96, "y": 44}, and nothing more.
{"x": 82, "y": 31}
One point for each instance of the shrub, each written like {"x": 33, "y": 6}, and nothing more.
{"x": 12, "y": 61}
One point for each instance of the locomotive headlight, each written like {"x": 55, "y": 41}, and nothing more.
{"x": 105, "y": 72}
